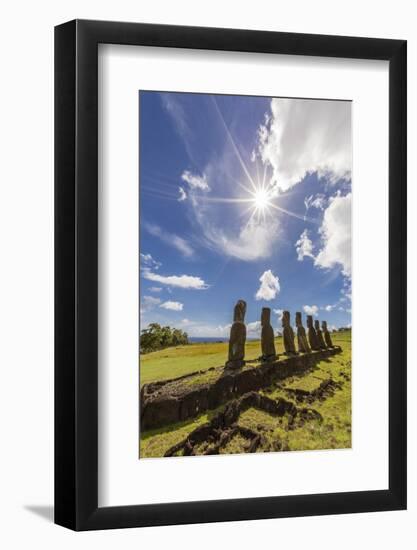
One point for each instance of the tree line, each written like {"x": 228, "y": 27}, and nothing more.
{"x": 155, "y": 337}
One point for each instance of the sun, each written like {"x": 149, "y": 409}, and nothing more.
{"x": 261, "y": 199}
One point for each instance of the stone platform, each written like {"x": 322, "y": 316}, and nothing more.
{"x": 170, "y": 401}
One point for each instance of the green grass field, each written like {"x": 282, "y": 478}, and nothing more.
{"x": 174, "y": 362}
{"x": 332, "y": 432}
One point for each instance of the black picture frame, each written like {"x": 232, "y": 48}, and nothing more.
{"x": 76, "y": 272}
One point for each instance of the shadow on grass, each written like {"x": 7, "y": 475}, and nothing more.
{"x": 179, "y": 425}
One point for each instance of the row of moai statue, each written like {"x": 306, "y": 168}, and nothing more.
{"x": 316, "y": 338}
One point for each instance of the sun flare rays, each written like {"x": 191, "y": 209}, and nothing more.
{"x": 256, "y": 192}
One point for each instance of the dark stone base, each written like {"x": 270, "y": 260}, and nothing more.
{"x": 235, "y": 364}
{"x": 269, "y": 358}
{"x": 166, "y": 402}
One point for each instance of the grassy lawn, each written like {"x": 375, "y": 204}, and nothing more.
{"x": 174, "y": 362}
{"x": 333, "y": 432}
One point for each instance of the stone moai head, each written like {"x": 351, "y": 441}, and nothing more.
{"x": 324, "y": 326}
{"x": 266, "y": 316}
{"x": 310, "y": 321}
{"x": 285, "y": 319}
{"x": 239, "y": 312}
{"x": 317, "y": 325}
{"x": 298, "y": 320}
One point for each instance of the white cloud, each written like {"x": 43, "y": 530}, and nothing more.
{"x": 183, "y": 194}
{"x": 253, "y": 242}
{"x": 173, "y": 306}
{"x": 315, "y": 201}
{"x": 148, "y": 303}
{"x": 209, "y": 331}
{"x": 336, "y": 235}
{"x": 269, "y": 288}
{"x": 181, "y": 281}
{"x": 170, "y": 239}
{"x": 151, "y": 300}
{"x": 311, "y": 310}
{"x": 223, "y": 218}
{"x": 221, "y": 331}
{"x": 182, "y": 245}
{"x": 304, "y": 136}
{"x": 304, "y": 246}
{"x": 278, "y": 312}
{"x": 148, "y": 262}
{"x": 186, "y": 121}
{"x": 176, "y": 110}
{"x": 346, "y": 290}
{"x": 254, "y": 329}
{"x": 201, "y": 329}
{"x": 195, "y": 181}
{"x": 155, "y": 289}
{"x": 328, "y": 308}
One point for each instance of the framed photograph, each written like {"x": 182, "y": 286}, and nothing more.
{"x": 230, "y": 254}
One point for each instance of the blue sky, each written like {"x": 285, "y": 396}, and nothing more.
{"x": 243, "y": 198}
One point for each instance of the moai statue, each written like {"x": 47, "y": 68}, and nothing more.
{"x": 320, "y": 339}
{"x": 303, "y": 346}
{"x": 312, "y": 336}
{"x": 237, "y": 337}
{"x": 267, "y": 336}
{"x": 326, "y": 334}
{"x": 288, "y": 334}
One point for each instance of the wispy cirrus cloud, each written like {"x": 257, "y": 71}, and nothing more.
{"x": 250, "y": 240}
{"x": 170, "y": 239}
{"x": 224, "y": 172}
{"x": 253, "y": 241}
{"x": 176, "y": 107}
{"x": 177, "y": 112}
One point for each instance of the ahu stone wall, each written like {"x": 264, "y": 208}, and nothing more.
{"x": 171, "y": 401}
